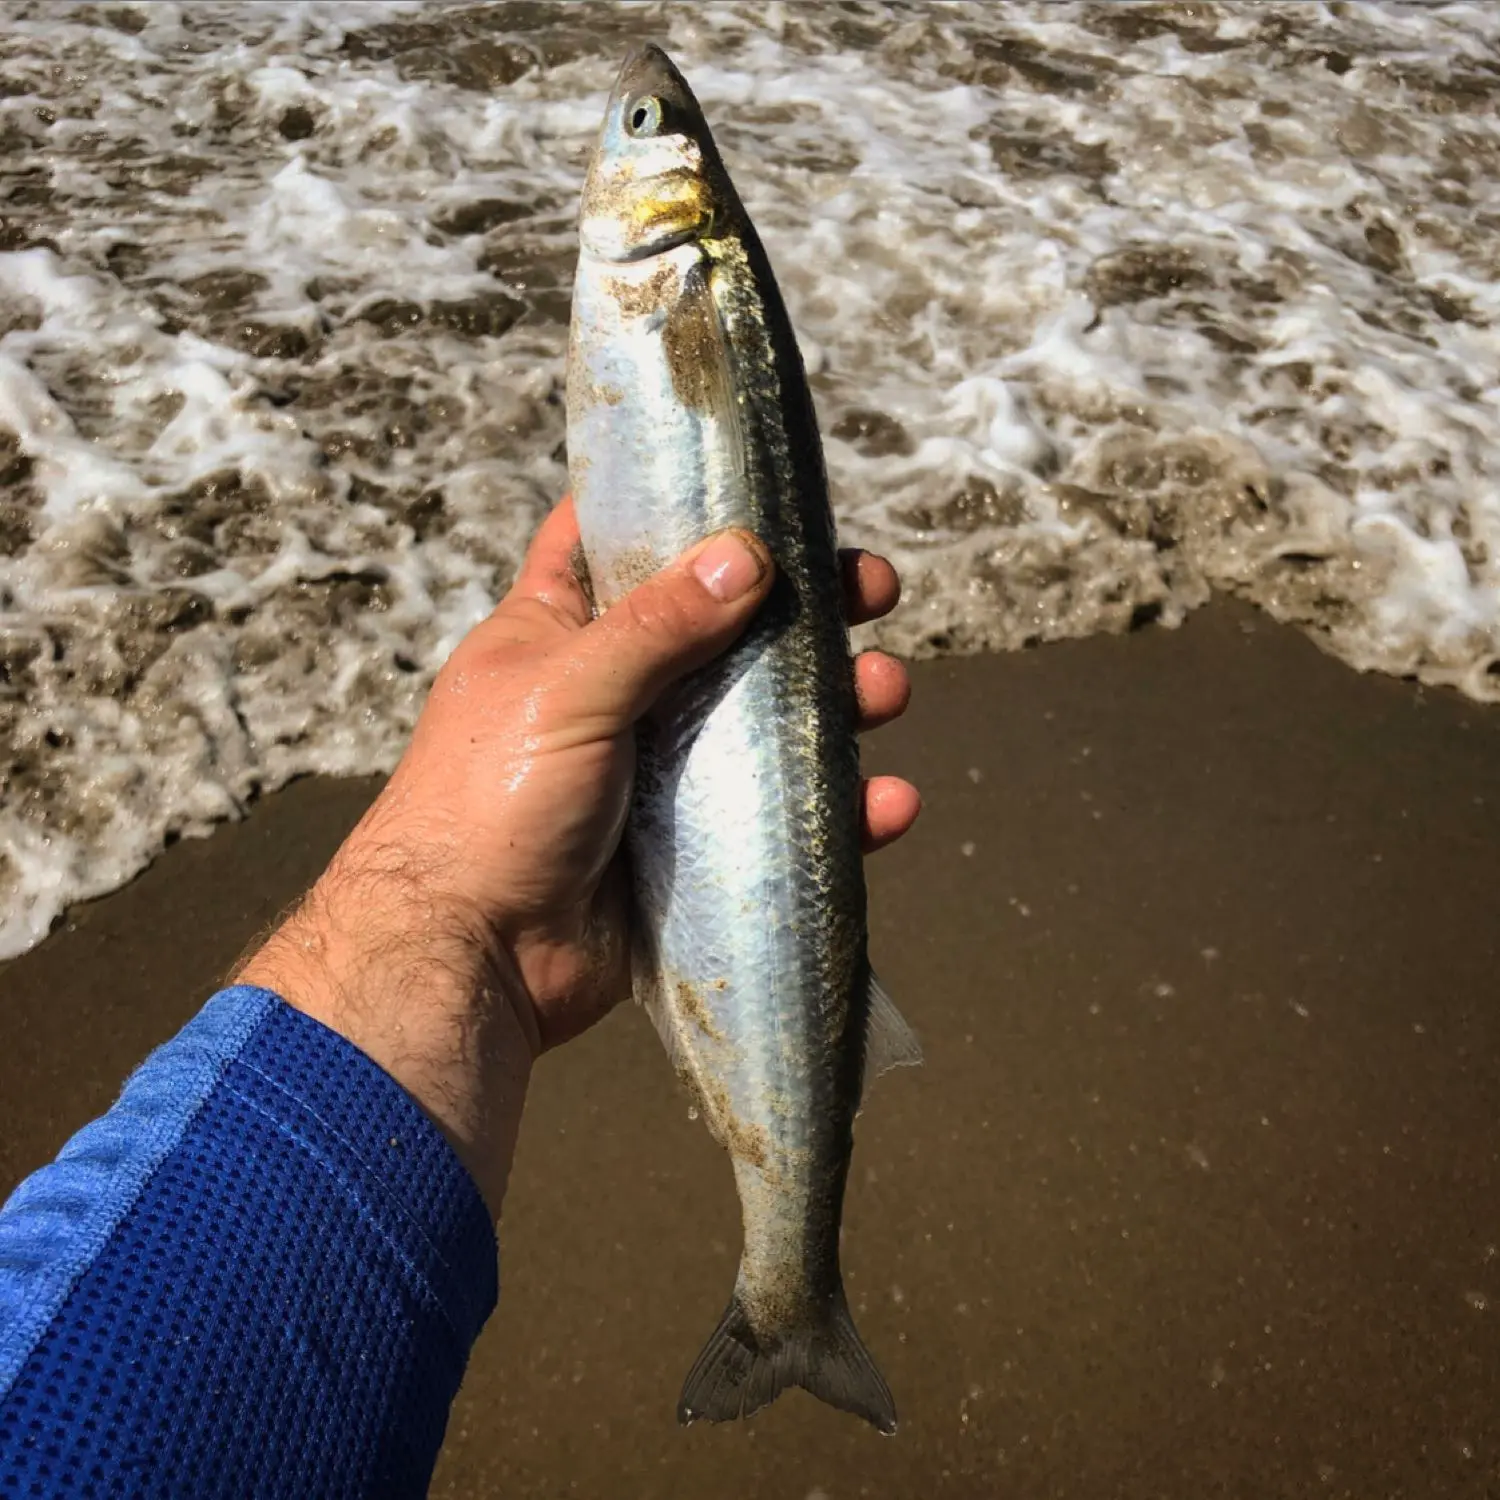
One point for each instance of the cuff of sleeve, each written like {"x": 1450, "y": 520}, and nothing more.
{"x": 246, "y": 1073}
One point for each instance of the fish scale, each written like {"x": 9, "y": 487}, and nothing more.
{"x": 688, "y": 411}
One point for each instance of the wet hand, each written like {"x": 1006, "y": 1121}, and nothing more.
{"x": 479, "y": 913}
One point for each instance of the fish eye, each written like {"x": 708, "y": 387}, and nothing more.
{"x": 645, "y": 116}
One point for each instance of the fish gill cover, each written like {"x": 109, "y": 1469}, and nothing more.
{"x": 1105, "y": 308}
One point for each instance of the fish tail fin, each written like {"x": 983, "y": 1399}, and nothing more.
{"x": 737, "y": 1373}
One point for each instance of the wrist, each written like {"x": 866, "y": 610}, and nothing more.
{"x": 380, "y": 954}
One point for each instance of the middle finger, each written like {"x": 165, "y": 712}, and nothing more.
{"x": 882, "y": 688}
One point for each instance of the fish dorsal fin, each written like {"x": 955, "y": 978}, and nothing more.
{"x": 889, "y": 1041}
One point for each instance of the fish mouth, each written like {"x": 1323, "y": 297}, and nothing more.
{"x": 608, "y": 240}
{"x": 659, "y": 244}
{"x": 650, "y": 189}
{"x": 629, "y": 221}
{"x": 672, "y": 224}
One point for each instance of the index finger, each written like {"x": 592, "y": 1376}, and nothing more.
{"x": 872, "y": 587}
{"x": 547, "y": 572}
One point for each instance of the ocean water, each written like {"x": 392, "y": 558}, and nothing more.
{"x": 1106, "y": 308}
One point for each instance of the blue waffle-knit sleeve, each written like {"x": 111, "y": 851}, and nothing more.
{"x": 260, "y": 1274}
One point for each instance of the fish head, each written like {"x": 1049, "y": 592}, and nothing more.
{"x": 656, "y": 180}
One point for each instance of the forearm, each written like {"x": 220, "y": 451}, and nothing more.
{"x": 380, "y": 954}
{"x": 259, "y": 1275}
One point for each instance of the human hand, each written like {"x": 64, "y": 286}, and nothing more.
{"x": 479, "y": 912}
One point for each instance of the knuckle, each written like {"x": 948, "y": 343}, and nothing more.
{"x": 659, "y": 611}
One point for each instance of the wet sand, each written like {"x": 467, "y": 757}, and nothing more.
{"x": 1198, "y": 1193}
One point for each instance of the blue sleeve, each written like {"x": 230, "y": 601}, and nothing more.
{"x": 260, "y": 1274}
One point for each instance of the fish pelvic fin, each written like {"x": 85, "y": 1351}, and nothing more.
{"x": 737, "y": 1373}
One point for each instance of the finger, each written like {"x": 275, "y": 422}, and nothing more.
{"x": 888, "y": 808}
{"x": 872, "y": 587}
{"x": 547, "y": 572}
{"x": 882, "y": 688}
{"x": 676, "y": 620}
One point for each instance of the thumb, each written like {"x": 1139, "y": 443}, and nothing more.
{"x": 678, "y": 619}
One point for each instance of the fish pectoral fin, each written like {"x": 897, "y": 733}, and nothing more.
{"x": 736, "y": 1374}
{"x": 889, "y": 1041}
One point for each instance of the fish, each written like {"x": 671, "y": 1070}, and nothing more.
{"x": 688, "y": 410}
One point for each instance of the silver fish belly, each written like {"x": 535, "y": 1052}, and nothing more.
{"x": 688, "y": 411}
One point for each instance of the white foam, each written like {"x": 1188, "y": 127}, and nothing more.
{"x": 1104, "y": 314}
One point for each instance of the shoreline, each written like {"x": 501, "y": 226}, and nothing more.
{"x": 1199, "y": 1180}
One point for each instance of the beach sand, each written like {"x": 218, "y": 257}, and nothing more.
{"x": 1197, "y": 1194}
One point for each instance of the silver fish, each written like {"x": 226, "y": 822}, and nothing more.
{"x": 688, "y": 410}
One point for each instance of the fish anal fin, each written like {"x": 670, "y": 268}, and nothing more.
{"x": 889, "y": 1041}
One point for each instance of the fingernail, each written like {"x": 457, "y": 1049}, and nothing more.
{"x": 730, "y": 566}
